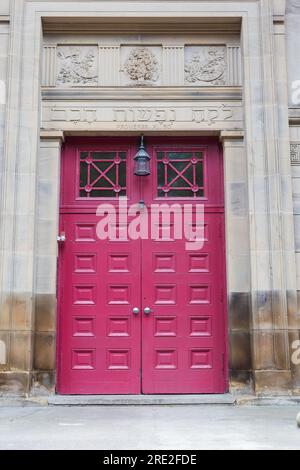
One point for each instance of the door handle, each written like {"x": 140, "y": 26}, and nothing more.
{"x": 61, "y": 238}
{"x": 135, "y": 311}
{"x": 147, "y": 310}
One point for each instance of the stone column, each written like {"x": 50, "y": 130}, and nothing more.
{"x": 238, "y": 260}
{"x": 16, "y": 218}
{"x": 272, "y": 259}
{"x": 47, "y": 226}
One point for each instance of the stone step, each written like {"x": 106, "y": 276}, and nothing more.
{"x": 81, "y": 400}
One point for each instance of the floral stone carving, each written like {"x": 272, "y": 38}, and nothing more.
{"x": 142, "y": 66}
{"x": 77, "y": 66}
{"x": 206, "y": 65}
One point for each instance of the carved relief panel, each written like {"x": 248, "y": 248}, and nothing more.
{"x": 133, "y": 65}
{"x": 205, "y": 66}
{"x": 141, "y": 66}
{"x": 77, "y": 66}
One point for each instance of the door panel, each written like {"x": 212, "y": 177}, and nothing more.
{"x": 182, "y": 337}
{"x": 100, "y": 348}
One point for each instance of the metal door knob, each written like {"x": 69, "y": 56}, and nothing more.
{"x": 135, "y": 311}
{"x": 147, "y": 310}
{"x": 61, "y": 238}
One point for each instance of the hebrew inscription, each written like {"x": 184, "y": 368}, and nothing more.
{"x": 111, "y": 115}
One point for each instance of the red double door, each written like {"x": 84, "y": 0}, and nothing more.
{"x": 140, "y": 314}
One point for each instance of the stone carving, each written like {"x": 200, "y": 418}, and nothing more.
{"x": 142, "y": 66}
{"x": 104, "y": 115}
{"x": 212, "y": 115}
{"x": 205, "y": 65}
{"x": 77, "y": 66}
{"x": 295, "y": 154}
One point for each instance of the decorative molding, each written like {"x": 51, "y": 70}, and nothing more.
{"x": 205, "y": 65}
{"x": 295, "y": 153}
{"x": 294, "y": 116}
{"x": 109, "y": 65}
{"x": 232, "y": 135}
{"x": 49, "y": 66}
{"x": 173, "y": 65}
{"x": 56, "y": 135}
{"x": 77, "y": 66}
{"x": 103, "y": 25}
{"x": 234, "y": 63}
{"x": 147, "y": 93}
{"x": 142, "y": 66}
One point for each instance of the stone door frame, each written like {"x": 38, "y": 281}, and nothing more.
{"x": 262, "y": 340}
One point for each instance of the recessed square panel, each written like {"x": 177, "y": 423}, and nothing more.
{"x": 85, "y": 263}
{"x": 200, "y": 359}
{"x": 84, "y": 295}
{"x": 199, "y": 294}
{"x": 165, "y": 294}
{"x": 200, "y": 326}
{"x": 85, "y": 233}
{"x": 165, "y": 326}
{"x": 118, "y": 359}
{"x": 83, "y": 326}
{"x": 164, "y": 262}
{"x": 193, "y": 230}
{"x": 83, "y": 359}
{"x": 198, "y": 263}
{"x": 118, "y": 232}
{"x": 118, "y": 295}
{"x": 166, "y": 359}
{"x": 119, "y": 326}
{"x": 118, "y": 263}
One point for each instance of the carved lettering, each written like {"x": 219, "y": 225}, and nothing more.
{"x": 144, "y": 114}
{"x": 211, "y": 115}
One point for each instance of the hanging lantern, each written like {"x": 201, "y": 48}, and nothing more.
{"x": 142, "y": 161}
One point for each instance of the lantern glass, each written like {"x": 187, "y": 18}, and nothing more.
{"x": 142, "y": 166}
{"x": 142, "y": 161}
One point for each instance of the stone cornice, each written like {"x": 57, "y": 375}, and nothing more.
{"x": 157, "y": 93}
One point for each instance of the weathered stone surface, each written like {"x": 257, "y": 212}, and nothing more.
{"x": 241, "y": 381}
{"x": 239, "y": 311}
{"x": 240, "y": 351}
{"x": 44, "y": 352}
{"x": 272, "y": 382}
{"x": 14, "y": 383}
{"x": 45, "y": 312}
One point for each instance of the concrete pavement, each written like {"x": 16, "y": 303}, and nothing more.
{"x": 150, "y": 427}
